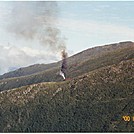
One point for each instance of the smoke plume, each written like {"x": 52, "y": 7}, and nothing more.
{"x": 63, "y": 70}
{"x": 37, "y": 21}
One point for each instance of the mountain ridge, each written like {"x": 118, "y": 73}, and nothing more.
{"x": 79, "y": 56}
{"x": 83, "y": 66}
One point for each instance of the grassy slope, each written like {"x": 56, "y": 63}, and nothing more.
{"x": 76, "y": 70}
{"x": 93, "y": 102}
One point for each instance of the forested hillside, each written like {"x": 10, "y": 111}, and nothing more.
{"x": 99, "y": 93}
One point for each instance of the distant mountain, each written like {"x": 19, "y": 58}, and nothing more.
{"x": 93, "y": 102}
{"x": 28, "y": 70}
{"x": 86, "y": 61}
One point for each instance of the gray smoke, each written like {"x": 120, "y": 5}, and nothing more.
{"x": 63, "y": 70}
{"x": 37, "y": 20}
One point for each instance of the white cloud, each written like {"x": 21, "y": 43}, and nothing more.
{"x": 13, "y": 57}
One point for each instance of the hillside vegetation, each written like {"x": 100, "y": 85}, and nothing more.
{"x": 98, "y": 94}
{"x": 94, "y": 102}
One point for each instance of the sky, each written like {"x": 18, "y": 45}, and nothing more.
{"x": 35, "y": 33}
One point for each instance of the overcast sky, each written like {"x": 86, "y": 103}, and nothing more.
{"x": 26, "y": 29}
